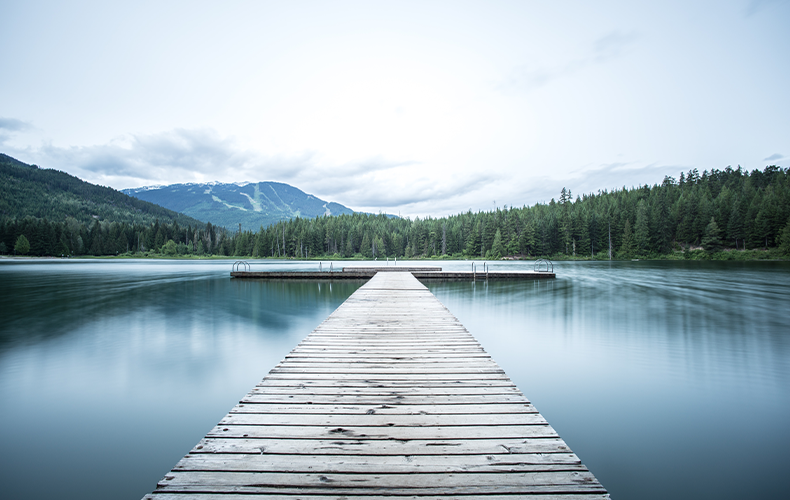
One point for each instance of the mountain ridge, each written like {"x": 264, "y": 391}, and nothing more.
{"x": 251, "y": 204}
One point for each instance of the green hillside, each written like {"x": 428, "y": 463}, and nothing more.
{"x": 27, "y": 190}
{"x": 45, "y": 212}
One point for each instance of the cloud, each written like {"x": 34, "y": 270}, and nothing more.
{"x": 391, "y": 186}
{"x": 13, "y": 125}
{"x": 180, "y": 155}
{"x": 609, "y": 46}
{"x": 10, "y": 126}
{"x": 775, "y": 156}
{"x": 410, "y": 192}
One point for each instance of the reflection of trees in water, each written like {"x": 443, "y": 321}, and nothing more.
{"x": 689, "y": 309}
{"x": 45, "y": 306}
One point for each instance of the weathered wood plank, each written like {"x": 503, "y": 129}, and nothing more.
{"x": 375, "y": 464}
{"x": 393, "y": 432}
{"x": 375, "y": 420}
{"x": 384, "y": 377}
{"x": 421, "y": 357}
{"x": 391, "y": 383}
{"x": 328, "y": 496}
{"x": 381, "y": 409}
{"x": 545, "y": 447}
{"x": 387, "y": 390}
{"x": 480, "y": 400}
{"x": 381, "y": 483}
{"x": 367, "y": 373}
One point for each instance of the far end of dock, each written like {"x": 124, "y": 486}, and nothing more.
{"x": 422, "y": 273}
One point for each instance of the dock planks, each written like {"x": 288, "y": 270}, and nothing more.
{"x": 389, "y": 397}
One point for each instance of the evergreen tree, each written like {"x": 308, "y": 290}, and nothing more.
{"x": 473, "y": 241}
{"x": 527, "y": 238}
{"x": 735, "y": 225}
{"x": 784, "y": 239}
{"x": 662, "y": 234}
{"x": 641, "y": 229}
{"x": 627, "y": 246}
{"x": 711, "y": 242}
{"x": 366, "y": 248}
{"x": 497, "y": 248}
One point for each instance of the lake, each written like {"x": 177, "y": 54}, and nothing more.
{"x": 668, "y": 379}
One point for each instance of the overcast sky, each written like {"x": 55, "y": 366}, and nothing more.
{"x": 419, "y": 108}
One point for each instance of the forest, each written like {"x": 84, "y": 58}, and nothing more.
{"x": 720, "y": 214}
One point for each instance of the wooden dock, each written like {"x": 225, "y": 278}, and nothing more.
{"x": 389, "y": 397}
{"x": 421, "y": 273}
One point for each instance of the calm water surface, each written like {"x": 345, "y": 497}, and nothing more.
{"x": 668, "y": 379}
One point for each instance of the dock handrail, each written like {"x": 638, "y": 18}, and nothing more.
{"x": 239, "y": 264}
{"x": 541, "y": 263}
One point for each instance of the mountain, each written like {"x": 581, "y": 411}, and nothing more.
{"x": 250, "y": 204}
{"x": 27, "y": 190}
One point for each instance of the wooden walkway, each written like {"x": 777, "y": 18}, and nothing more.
{"x": 389, "y": 397}
{"x": 364, "y": 274}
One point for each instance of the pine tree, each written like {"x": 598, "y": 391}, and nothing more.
{"x": 366, "y": 248}
{"x": 627, "y": 247}
{"x": 784, "y": 239}
{"x": 641, "y": 229}
{"x": 527, "y": 239}
{"x": 711, "y": 242}
{"x": 735, "y": 227}
{"x": 473, "y": 241}
{"x": 497, "y": 248}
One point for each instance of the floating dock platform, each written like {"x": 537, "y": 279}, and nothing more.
{"x": 421, "y": 273}
{"x": 390, "y": 397}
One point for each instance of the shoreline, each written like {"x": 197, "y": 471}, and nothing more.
{"x": 693, "y": 255}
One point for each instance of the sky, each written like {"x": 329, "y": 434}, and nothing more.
{"x": 425, "y": 108}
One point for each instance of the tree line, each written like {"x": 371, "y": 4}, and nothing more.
{"x": 712, "y": 211}
{"x": 716, "y": 211}
{"x": 42, "y": 237}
